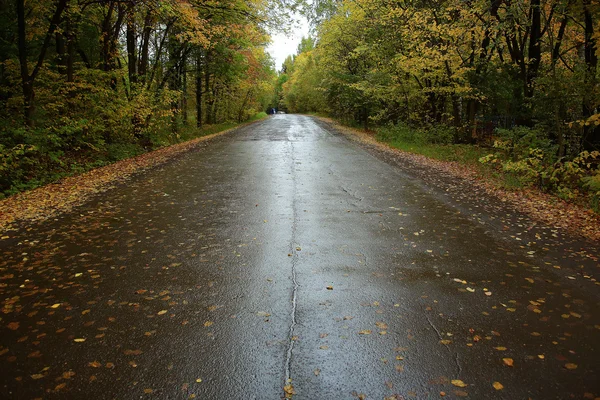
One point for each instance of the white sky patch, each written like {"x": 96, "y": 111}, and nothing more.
{"x": 283, "y": 46}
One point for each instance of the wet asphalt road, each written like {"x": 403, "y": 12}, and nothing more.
{"x": 284, "y": 251}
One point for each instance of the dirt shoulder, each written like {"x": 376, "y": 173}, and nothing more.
{"x": 56, "y": 198}
{"x": 463, "y": 182}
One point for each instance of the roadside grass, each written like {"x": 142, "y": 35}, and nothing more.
{"x": 464, "y": 154}
{"x": 318, "y": 114}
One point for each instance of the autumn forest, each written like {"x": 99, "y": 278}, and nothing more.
{"x": 513, "y": 85}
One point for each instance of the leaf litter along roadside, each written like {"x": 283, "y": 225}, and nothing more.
{"x": 537, "y": 205}
{"x": 56, "y": 198}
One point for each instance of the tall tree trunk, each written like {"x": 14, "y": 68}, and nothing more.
{"x": 243, "y": 106}
{"x": 105, "y": 37}
{"x": 184, "y": 100}
{"x": 60, "y": 53}
{"x": 28, "y": 79}
{"x": 591, "y": 133}
{"x": 534, "y": 51}
{"x": 199, "y": 89}
{"x": 209, "y": 97}
{"x": 70, "y": 51}
{"x": 143, "y": 61}
{"x": 131, "y": 46}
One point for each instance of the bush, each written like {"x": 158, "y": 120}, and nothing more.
{"x": 529, "y": 158}
{"x": 398, "y": 132}
{"x": 121, "y": 151}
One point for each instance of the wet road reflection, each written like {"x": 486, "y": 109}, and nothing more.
{"x": 285, "y": 251}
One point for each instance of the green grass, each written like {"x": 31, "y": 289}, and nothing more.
{"x": 318, "y": 114}
{"x": 257, "y": 116}
{"x": 463, "y": 153}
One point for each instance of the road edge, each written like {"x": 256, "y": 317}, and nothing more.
{"x": 56, "y": 198}
{"x": 571, "y": 218}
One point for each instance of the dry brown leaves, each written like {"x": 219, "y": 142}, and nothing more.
{"x": 56, "y": 198}
{"x": 539, "y": 206}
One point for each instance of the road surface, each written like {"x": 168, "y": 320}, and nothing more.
{"x": 284, "y": 259}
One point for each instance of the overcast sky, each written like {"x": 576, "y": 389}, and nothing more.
{"x": 283, "y": 46}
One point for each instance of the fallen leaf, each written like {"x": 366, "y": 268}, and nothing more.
{"x": 571, "y": 366}
{"x": 459, "y": 383}
{"x": 79, "y": 340}
{"x": 13, "y": 326}
{"x": 289, "y": 391}
{"x": 263, "y": 314}
{"x": 508, "y": 361}
{"x": 162, "y": 312}
{"x": 365, "y": 332}
{"x": 68, "y": 374}
{"x": 208, "y": 323}
{"x": 497, "y": 386}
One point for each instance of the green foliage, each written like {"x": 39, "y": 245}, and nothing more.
{"x": 121, "y": 151}
{"x": 114, "y": 81}
{"x": 435, "y": 134}
{"x": 529, "y": 159}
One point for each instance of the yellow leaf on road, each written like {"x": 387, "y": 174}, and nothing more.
{"x": 508, "y": 361}
{"x": 459, "y": 383}
{"x": 498, "y": 386}
{"x": 289, "y": 391}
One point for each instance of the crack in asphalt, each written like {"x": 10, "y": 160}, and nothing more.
{"x": 294, "y": 260}
{"x": 441, "y": 337}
